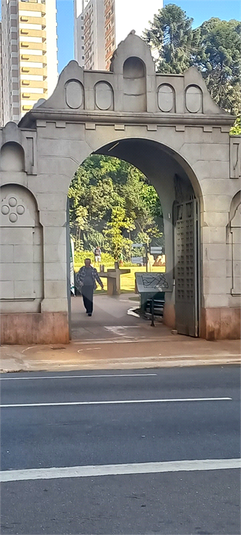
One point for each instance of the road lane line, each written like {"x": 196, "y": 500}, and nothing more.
{"x": 119, "y": 469}
{"x": 112, "y": 402}
{"x": 114, "y": 340}
{"x": 78, "y": 376}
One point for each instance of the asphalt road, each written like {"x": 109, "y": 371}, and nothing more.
{"x": 122, "y": 419}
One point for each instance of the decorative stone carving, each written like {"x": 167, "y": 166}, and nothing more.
{"x": 104, "y": 96}
{"x": 12, "y": 201}
{"x": 13, "y": 218}
{"x": 20, "y": 209}
{"x": 7, "y": 209}
{"x": 21, "y": 252}
{"x": 16, "y": 207}
{"x": 194, "y": 99}
{"x": 166, "y": 98}
{"x": 74, "y": 94}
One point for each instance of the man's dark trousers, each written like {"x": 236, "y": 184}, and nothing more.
{"x": 87, "y": 293}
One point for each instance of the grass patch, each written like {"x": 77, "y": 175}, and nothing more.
{"x": 127, "y": 279}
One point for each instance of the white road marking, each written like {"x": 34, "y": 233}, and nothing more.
{"x": 116, "y": 341}
{"x": 78, "y": 376}
{"x": 112, "y": 402}
{"x": 119, "y": 469}
{"x": 88, "y": 349}
{"x": 119, "y": 330}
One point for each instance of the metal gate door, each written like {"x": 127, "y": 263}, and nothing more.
{"x": 186, "y": 267}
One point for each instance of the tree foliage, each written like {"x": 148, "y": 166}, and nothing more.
{"x": 171, "y": 36}
{"x": 111, "y": 205}
{"x": 236, "y": 128}
{"x": 218, "y": 57}
{"x": 117, "y": 243}
{"x": 214, "y": 48}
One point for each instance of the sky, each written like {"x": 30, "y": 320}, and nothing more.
{"x": 199, "y": 10}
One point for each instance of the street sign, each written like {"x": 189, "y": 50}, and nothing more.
{"x": 153, "y": 283}
{"x": 156, "y": 250}
{"x": 137, "y": 260}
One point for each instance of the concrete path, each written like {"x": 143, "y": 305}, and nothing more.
{"x": 112, "y": 317}
{"x": 113, "y": 339}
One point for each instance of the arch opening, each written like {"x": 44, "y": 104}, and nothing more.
{"x": 176, "y": 185}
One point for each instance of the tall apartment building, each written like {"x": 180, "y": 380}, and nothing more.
{"x": 100, "y": 25}
{"x": 1, "y": 79}
{"x": 29, "y": 54}
{"x": 89, "y": 41}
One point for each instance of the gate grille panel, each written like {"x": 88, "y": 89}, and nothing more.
{"x": 185, "y": 269}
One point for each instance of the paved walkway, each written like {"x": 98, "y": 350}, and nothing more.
{"x": 112, "y": 318}
{"x": 114, "y": 339}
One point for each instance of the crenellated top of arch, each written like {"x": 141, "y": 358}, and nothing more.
{"x": 131, "y": 92}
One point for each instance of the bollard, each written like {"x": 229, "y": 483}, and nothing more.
{"x": 152, "y": 312}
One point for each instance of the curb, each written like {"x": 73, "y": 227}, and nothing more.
{"x": 18, "y": 365}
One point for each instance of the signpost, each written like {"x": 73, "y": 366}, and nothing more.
{"x": 137, "y": 260}
{"x": 71, "y": 273}
{"x": 156, "y": 250}
{"x": 144, "y": 258}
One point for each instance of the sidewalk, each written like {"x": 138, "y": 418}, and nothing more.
{"x": 114, "y": 339}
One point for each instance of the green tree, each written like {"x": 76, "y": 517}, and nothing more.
{"x": 171, "y": 36}
{"x": 102, "y": 184}
{"x": 142, "y": 204}
{"x": 236, "y": 128}
{"x": 218, "y": 57}
{"x": 114, "y": 232}
{"x": 214, "y": 48}
{"x": 92, "y": 196}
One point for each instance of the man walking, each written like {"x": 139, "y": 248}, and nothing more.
{"x": 86, "y": 278}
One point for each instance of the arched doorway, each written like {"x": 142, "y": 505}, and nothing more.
{"x": 179, "y": 194}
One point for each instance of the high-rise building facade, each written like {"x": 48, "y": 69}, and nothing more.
{"x": 100, "y": 25}
{"x": 89, "y": 41}
{"x": 109, "y": 31}
{"x": 1, "y": 79}
{"x": 29, "y": 54}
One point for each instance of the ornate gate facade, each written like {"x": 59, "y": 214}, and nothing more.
{"x": 167, "y": 126}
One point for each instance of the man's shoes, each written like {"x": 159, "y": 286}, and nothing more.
{"x": 89, "y": 314}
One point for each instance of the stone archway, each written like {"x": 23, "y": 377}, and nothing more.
{"x": 88, "y": 111}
